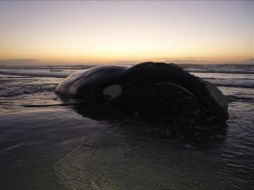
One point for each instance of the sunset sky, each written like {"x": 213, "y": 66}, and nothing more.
{"x": 127, "y": 31}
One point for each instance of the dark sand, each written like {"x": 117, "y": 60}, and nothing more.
{"x": 57, "y": 148}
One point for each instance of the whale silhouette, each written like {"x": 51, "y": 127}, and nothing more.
{"x": 147, "y": 91}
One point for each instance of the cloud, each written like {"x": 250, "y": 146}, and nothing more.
{"x": 250, "y": 61}
{"x": 17, "y": 62}
{"x": 184, "y": 60}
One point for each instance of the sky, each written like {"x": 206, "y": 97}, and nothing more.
{"x": 102, "y": 32}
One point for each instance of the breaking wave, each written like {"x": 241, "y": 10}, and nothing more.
{"x": 240, "y": 76}
{"x": 37, "y": 72}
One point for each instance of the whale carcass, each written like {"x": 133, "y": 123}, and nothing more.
{"x": 148, "y": 91}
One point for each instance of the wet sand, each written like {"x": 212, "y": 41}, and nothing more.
{"x": 56, "y": 148}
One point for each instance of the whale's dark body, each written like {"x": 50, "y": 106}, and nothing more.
{"x": 151, "y": 91}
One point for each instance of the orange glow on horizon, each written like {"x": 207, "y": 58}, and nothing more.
{"x": 112, "y": 32}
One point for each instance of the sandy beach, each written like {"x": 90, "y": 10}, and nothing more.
{"x": 54, "y": 147}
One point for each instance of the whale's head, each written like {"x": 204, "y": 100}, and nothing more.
{"x": 96, "y": 83}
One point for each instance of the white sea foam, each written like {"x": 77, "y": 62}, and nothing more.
{"x": 230, "y": 76}
{"x": 37, "y": 72}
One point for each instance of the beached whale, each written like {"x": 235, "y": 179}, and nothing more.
{"x": 148, "y": 91}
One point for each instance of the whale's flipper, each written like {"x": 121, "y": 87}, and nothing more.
{"x": 164, "y": 101}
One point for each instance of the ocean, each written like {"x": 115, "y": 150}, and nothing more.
{"x": 45, "y": 144}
